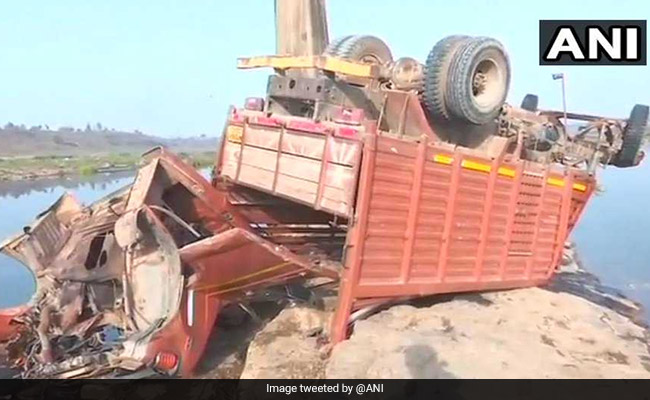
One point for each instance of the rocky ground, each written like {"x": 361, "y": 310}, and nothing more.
{"x": 573, "y": 328}
{"x": 528, "y": 333}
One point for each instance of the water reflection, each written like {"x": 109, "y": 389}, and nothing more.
{"x": 94, "y": 182}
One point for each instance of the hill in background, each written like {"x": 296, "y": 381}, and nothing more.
{"x": 18, "y": 141}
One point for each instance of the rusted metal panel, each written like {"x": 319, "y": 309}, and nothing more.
{"x": 303, "y": 161}
{"x": 46, "y": 237}
{"x": 8, "y": 328}
{"x": 403, "y": 115}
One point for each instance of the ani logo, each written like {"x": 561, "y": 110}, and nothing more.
{"x": 592, "y": 42}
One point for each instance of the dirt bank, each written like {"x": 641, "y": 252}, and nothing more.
{"x": 574, "y": 328}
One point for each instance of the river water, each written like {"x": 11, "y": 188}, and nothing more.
{"x": 611, "y": 237}
{"x": 613, "y": 234}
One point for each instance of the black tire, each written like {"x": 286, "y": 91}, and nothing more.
{"x": 435, "y": 74}
{"x": 478, "y": 82}
{"x": 332, "y": 48}
{"x": 530, "y": 102}
{"x": 366, "y": 49}
{"x": 633, "y": 135}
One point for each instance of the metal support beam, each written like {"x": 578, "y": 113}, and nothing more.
{"x": 301, "y": 27}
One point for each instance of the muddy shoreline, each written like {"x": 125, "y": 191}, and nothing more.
{"x": 43, "y": 173}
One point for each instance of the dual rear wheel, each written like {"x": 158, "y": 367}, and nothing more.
{"x": 465, "y": 78}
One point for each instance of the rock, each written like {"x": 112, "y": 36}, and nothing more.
{"x": 575, "y": 328}
{"x": 525, "y": 333}
{"x": 289, "y": 347}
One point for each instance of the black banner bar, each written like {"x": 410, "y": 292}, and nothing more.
{"x": 322, "y": 389}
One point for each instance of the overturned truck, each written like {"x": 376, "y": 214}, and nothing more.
{"x": 392, "y": 178}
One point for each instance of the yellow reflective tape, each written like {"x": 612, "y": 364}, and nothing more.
{"x": 473, "y": 165}
{"x": 234, "y": 133}
{"x": 476, "y": 166}
{"x": 245, "y": 277}
{"x": 506, "y": 172}
{"x": 560, "y": 182}
{"x": 443, "y": 159}
{"x": 276, "y": 62}
{"x": 555, "y": 182}
{"x": 579, "y": 186}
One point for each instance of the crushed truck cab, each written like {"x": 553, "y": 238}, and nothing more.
{"x": 150, "y": 266}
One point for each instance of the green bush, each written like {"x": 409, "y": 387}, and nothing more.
{"x": 87, "y": 169}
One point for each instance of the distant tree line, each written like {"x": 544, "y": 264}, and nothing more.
{"x": 98, "y": 127}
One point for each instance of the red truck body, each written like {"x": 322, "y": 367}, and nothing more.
{"x": 422, "y": 216}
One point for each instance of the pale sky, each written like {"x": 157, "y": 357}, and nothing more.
{"x": 168, "y": 67}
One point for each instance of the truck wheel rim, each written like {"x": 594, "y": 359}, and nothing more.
{"x": 487, "y": 84}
